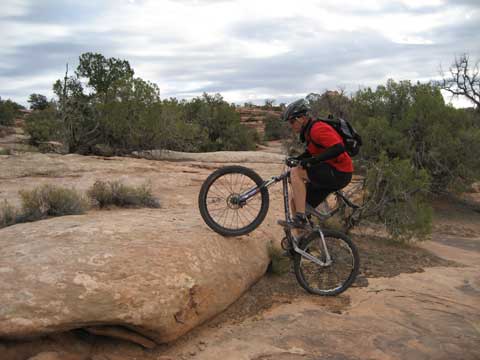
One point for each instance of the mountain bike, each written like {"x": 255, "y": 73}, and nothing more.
{"x": 234, "y": 200}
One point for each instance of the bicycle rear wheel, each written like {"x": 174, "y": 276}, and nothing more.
{"x": 334, "y": 278}
{"x": 218, "y": 203}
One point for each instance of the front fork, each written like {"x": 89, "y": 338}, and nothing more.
{"x": 322, "y": 244}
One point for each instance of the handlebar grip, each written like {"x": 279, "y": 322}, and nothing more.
{"x": 292, "y": 162}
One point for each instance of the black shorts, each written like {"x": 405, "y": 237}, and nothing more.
{"x": 324, "y": 179}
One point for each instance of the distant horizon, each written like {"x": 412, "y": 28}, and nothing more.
{"x": 460, "y": 103}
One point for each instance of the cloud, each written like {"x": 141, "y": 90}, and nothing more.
{"x": 247, "y": 50}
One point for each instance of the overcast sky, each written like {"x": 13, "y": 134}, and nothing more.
{"x": 247, "y": 50}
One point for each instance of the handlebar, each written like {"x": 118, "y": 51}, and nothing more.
{"x": 292, "y": 161}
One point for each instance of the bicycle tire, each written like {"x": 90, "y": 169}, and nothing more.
{"x": 206, "y": 214}
{"x": 301, "y": 267}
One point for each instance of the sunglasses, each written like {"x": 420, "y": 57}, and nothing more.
{"x": 292, "y": 120}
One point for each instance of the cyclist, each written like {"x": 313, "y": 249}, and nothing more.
{"x": 324, "y": 167}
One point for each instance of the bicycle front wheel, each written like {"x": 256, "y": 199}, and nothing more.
{"x": 331, "y": 279}
{"x": 219, "y": 205}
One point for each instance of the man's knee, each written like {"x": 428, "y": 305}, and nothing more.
{"x": 298, "y": 173}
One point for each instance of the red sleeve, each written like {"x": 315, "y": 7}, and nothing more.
{"x": 323, "y": 134}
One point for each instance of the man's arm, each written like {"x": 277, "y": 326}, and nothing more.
{"x": 305, "y": 155}
{"x": 329, "y": 153}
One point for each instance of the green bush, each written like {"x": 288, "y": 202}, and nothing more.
{"x": 412, "y": 122}
{"x": 43, "y": 125}
{"x": 275, "y": 129}
{"x": 49, "y": 200}
{"x": 109, "y": 193}
{"x": 8, "y": 214}
{"x": 279, "y": 264}
{"x": 126, "y": 114}
{"x": 220, "y": 122}
{"x": 7, "y": 112}
{"x": 396, "y": 196}
{"x": 5, "y": 151}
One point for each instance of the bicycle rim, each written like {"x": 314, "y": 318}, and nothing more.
{"x": 334, "y": 278}
{"x": 220, "y": 208}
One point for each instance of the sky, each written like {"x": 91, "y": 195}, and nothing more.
{"x": 246, "y": 50}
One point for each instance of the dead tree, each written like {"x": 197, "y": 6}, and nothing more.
{"x": 463, "y": 80}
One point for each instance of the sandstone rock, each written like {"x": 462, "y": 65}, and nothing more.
{"x": 217, "y": 157}
{"x": 121, "y": 333}
{"x": 51, "y": 355}
{"x": 103, "y": 150}
{"x": 139, "y": 269}
{"x": 476, "y": 187}
{"x": 52, "y": 146}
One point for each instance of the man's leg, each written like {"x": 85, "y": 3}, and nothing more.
{"x": 292, "y": 205}
{"x": 298, "y": 178}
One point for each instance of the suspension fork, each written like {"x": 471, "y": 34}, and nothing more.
{"x": 243, "y": 197}
{"x": 286, "y": 202}
{"x": 322, "y": 244}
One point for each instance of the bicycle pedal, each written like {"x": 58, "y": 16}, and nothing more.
{"x": 292, "y": 225}
{"x": 284, "y": 223}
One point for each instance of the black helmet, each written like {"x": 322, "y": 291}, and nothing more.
{"x": 297, "y": 108}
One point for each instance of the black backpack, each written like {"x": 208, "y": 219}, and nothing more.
{"x": 351, "y": 138}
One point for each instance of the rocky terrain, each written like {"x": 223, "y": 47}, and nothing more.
{"x": 150, "y": 276}
{"x": 253, "y": 117}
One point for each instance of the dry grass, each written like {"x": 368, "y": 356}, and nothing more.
{"x": 49, "y": 200}
{"x": 8, "y": 214}
{"x": 114, "y": 193}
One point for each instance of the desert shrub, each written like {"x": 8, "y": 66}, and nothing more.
{"x": 109, "y": 193}
{"x": 275, "y": 128}
{"x": 279, "y": 264}
{"x": 6, "y": 130}
{"x": 412, "y": 122}
{"x": 38, "y": 102}
{"x": 397, "y": 196}
{"x": 103, "y": 103}
{"x": 7, "y": 112}
{"x": 8, "y": 214}
{"x": 330, "y": 102}
{"x": 220, "y": 122}
{"x": 43, "y": 125}
{"x": 49, "y": 200}
{"x": 5, "y": 151}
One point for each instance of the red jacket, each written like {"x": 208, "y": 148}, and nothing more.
{"x": 326, "y": 136}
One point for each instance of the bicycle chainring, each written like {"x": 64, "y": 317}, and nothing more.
{"x": 286, "y": 244}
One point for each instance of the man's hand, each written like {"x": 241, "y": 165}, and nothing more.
{"x": 304, "y": 163}
{"x": 292, "y": 162}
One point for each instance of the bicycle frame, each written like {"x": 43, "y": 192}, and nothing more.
{"x": 243, "y": 198}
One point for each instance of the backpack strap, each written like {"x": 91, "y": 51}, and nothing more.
{"x": 308, "y": 137}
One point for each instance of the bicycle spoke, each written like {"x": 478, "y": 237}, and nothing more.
{"x": 239, "y": 215}
{"x": 331, "y": 277}
{"x": 237, "y": 220}
{"x": 218, "y": 209}
{"x": 241, "y": 184}
{"x": 221, "y": 201}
